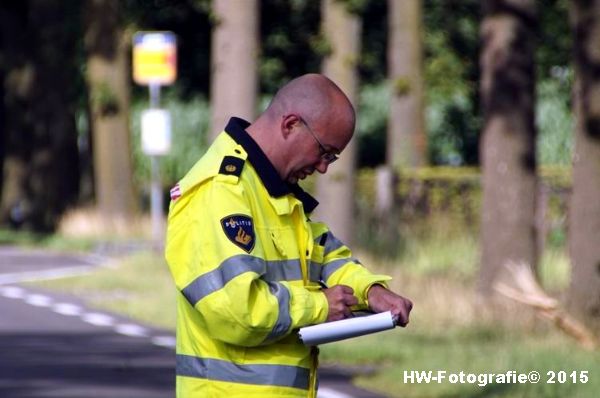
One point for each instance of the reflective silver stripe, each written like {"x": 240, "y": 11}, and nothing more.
{"x": 257, "y": 374}
{"x": 284, "y": 319}
{"x": 331, "y": 242}
{"x": 283, "y": 270}
{"x": 333, "y": 266}
{"x": 314, "y": 271}
{"x": 216, "y": 279}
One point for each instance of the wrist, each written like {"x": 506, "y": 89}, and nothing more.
{"x": 373, "y": 289}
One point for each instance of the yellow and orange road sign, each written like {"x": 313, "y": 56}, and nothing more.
{"x": 154, "y": 58}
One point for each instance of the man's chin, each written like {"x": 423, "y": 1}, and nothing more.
{"x": 293, "y": 179}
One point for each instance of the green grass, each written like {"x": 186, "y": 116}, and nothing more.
{"x": 448, "y": 330}
{"x": 52, "y": 242}
{"x": 555, "y": 271}
{"x": 439, "y": 250}
{"x": 139, "y": 286}
{"x": 472, "y": 350}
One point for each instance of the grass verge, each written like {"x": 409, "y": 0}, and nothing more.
{"x": 139, "y": 286}
{"x": 52, "y": 242}
{"x": 474, "y": 350}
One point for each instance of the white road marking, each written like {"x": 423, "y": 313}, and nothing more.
{"x": 13, "y": 292}
{"x": 38, "y": 300}
{"x": 98, "y": 319}
{"x": 130, "y": 329}
{"x": 95, "y": 259}
{"x": 67, "y": 309}
{"x": 325, "y": 392}
{"x": 54, "y": 273}
{"x": 164, "y": 341}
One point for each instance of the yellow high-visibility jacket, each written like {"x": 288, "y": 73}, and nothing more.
{"x": 247, "y": 263}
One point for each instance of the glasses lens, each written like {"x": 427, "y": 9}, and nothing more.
{"x": 326, "y": 156}
{"x": 329, "y": 157}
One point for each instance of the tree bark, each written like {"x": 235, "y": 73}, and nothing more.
{"x": 335, "y": 189}
{"x": 407, "y": 140}
{"x": 234, "y": 54}
{"x": 40, "y": 162}
{"x": 584, "y": 212}
{"x": 108, "y": 45}
{"x": 508, "y": 229}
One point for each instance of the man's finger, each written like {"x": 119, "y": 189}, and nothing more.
{"x": 350, "y": 300}
{"x": 347, "y": 312}
{"x": 402, "y": 317}
{"x": 347, "y": 289}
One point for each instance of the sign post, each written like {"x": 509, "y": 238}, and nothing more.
{"x": 155, "y": 65}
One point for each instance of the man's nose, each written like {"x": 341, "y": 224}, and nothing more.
{"x": 322, "y": 166}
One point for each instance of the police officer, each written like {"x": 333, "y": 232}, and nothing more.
{"x": 247, "y": 261}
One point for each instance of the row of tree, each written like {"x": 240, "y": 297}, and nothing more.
{"x": 41, "y": 86}
{"x": 510, "y": 181}
{"x": 68, "y": 49}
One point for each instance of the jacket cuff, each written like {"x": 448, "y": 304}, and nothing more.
{"x": 307, "y": 306}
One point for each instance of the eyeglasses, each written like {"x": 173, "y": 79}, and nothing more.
{"x": 326, "y": 155}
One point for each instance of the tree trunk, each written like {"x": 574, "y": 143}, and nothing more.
{"x": 336, "y": 188}
{"x": 508, "y": 229}
{"x": 407, "y": 141}
{"x": 40, "y": 162}
{"x": 584, "y": 211}
{"x": 234, "y": 55}
{"x": 108, "y": 69}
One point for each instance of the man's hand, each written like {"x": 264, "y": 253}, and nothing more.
{"x": 382, "y": 299}
{"x": 340, "y": 299}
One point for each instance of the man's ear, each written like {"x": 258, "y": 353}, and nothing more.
{"x": 288, "y": 122}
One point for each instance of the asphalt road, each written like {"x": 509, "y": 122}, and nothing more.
{"x": 45, "y": 354}
{"x": 52, "y": 345}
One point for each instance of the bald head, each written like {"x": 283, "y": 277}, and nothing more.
{"x": 318, "y": 100}
{"x": 309, "y": 121}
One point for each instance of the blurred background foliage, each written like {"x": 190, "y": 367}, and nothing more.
{"x": 292, "y": 45}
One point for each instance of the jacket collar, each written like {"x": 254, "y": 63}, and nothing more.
{"x": 236, "y": 128}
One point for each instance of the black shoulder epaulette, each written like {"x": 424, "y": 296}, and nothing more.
{"x": 231, "y": 166}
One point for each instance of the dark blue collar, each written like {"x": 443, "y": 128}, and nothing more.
{"x": 236, "y": 128}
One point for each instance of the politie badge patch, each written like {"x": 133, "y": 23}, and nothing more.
{"x": 239, "y": 229}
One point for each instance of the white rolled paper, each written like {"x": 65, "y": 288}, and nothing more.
{"x": 346, "y": 328}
